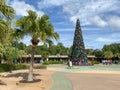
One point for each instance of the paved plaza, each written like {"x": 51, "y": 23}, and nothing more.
{"x": 59, "y": 77}
{"x": 97, "y": 77}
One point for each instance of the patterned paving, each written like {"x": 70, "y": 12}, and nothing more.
{"x": 62, "y": 83}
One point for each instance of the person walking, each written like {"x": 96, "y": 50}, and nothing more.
{"x": 70, "y": 64}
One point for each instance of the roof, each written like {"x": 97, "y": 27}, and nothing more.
{"x": 56, "y": 56}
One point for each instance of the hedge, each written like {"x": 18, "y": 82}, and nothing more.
{"x": 52, "y": 62}
{"x": 10, "y": 67}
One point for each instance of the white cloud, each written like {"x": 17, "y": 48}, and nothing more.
{"x": 98, "y": 21}
{"x": 111, "y": 39}
{"x": 50, "y": 3}
{"x": 90, "y": 29}
{"x": 101, "y": 39}
{"x": 26, "y": 40}
{"x": 88, "y": 8}
{"x": 116, "y": 36}
{"x": 114, "y": 22}
{"x": 65, "y": 29}
{"x": 85, "y": 9}
{"x": 73, "y": 29}
{"x": 91, "y": 12}
{"x": 7, "y": 1}
{"x": 21, "y": 8}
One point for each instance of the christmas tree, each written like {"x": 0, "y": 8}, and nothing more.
{"x": 78, "y": 49}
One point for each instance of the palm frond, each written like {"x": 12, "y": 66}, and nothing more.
{"x": 18, "y": 34}
{"x": 50, "y": 42}
{"x": 7, "y": 11}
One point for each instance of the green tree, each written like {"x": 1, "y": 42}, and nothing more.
{"x": 52, "y": 50}
{"x": 61, "y": 49}
{"x": 108, "y": 54}
{"x": 21, "y": 45}
{"x": 117, "y": 55}
{"x": 114, "y": 48}
{"x": 89, "y": 51}
{"x": 1, "y": 51}
{"x": 40, "y": 29}
{"x": 28, "y": 49}
{"x": 3, "y": 29}
{"x": 97, "y": 53}
{"x": 9, "y": 54}
{"x": 6, "y": 11}
{"x": 45, "y": 54}
{"x": 21, "y": 53}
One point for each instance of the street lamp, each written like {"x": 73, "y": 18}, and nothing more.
{"x": 15, "y": 53}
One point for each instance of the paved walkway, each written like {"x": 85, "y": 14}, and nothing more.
{"x": 85, "y": 68}
{"x": 61, "y": 82}
{"x": 92, "y": 81}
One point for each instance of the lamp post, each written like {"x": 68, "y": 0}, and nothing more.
{"x": 15, "y": 53}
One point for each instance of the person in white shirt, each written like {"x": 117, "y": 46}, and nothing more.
{"x": 70, "y": 64}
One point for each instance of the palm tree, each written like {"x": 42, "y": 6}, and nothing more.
{"x": 6, "y": 14}
{"x": 40, "y": 29}
{"x": 3, "y": 29}
{"x": 6, "y": 11}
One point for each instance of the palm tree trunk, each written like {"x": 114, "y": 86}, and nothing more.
{"x": 30, "y": 75}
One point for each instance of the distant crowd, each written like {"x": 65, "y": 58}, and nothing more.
{"x": 106, "y": 62}
{"x": 109, "y": 62}
{"x": 80, "y": 63}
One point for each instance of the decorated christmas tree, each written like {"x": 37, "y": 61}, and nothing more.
{"x": 78, "y": 49}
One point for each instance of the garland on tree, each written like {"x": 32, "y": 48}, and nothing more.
{"x": 78, "y": 49}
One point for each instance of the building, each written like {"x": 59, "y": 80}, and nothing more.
{"x": 37, "y": 58}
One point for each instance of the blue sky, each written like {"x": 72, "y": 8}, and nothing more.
{"x": 100, "y": 19}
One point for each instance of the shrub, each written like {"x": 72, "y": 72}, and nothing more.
{"x": 40, "y": 67}
{"x": 46, "y": 63}
{"x": 1, "y": 69}
{"x": 96, "y": 62}
{"x": 7, "y": 67}
{"x": 10, "y": 67}
{"x": 52, "y": 62}
{"x": 21, "y": 66}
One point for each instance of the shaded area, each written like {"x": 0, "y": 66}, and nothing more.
{"x": 25, "y": 81}
{"x": 2, "y": 83}
{"x": 42, "y": 80}
{"x": 24, "y": 77}
{"x": 95, "y": 81}
{"x": 61, "y": 82}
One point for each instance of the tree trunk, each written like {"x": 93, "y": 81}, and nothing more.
{"x": 30, "y": 75}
